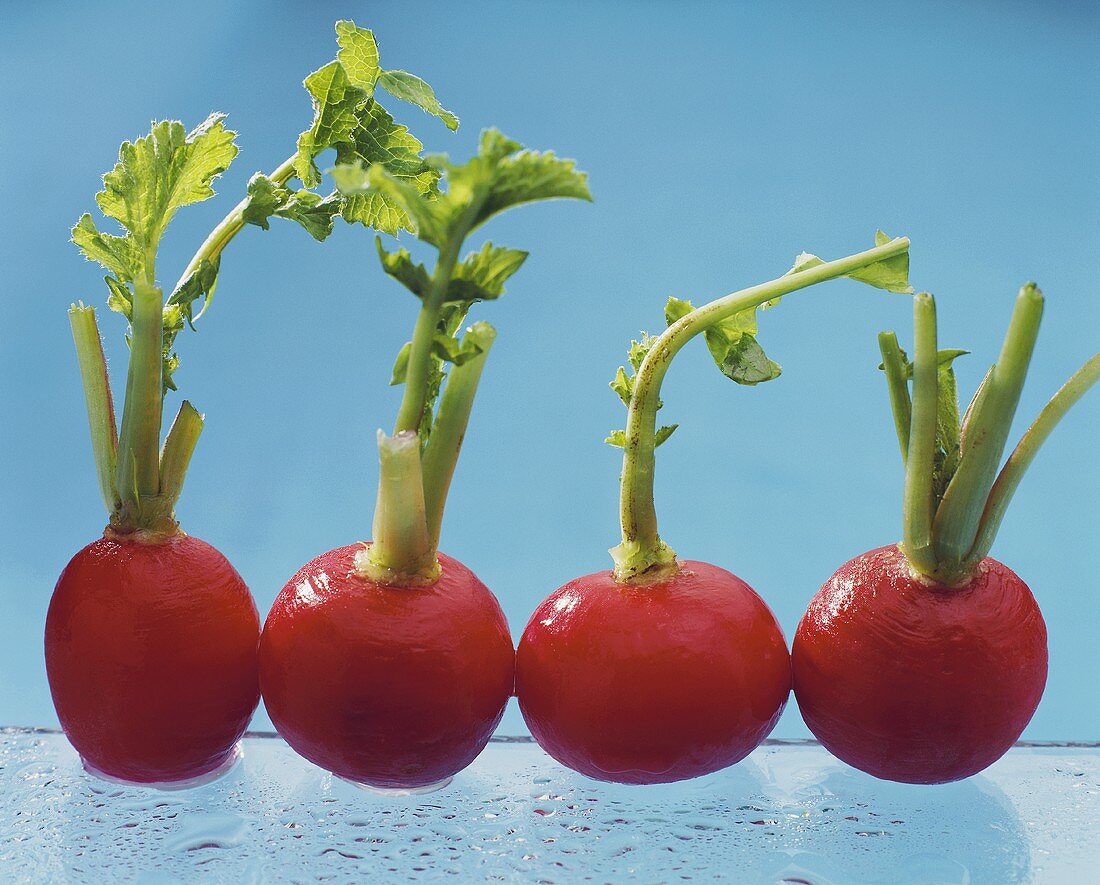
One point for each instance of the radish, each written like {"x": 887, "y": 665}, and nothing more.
{"x": 667, "y": 669}
{"x": 922, "y": 662}
{"x": 151, "y": 636}
{"x": 385, "y": 662}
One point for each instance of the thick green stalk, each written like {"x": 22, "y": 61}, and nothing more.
{"x": 230, "y": 226}
{"x": 917, "y": 499}
{"x": 449, "y": 429}
{"x": 420, "y": 354}
{"x": 1024, "y": 453}
{"x": 97, "y": 394}
{"x": 401, "y": 551}
{"x": 642, "y": 553}
{"x": 175, "y": 457}
{"x": 138, "y": 470}
{"x": 956, "y": 524}
{"x": 893, "y": 364}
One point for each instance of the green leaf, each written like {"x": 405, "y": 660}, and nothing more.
{"x": 335, "y": 117}
{"x": 617, "y": 438}
{"x": 119, "y": 255}
{"x": 379, "y": 199}
{"x": 401, "y": 365}
{"x": 732, "y": 344}
{"x": 623, "y": 385}
{"x": 200, "y": 284}
{"x": 746, "y": 363}
{"x": 663, "y": 433}
{"x": 481, "y": 275}
{"x": 358, "y": 55}
{"x": 264, "y": 197}
{"x": 402, "y": 268}
{"x": 891, "y": 274}
{"x": 408, "y": 87}
{"x": 312, "y": 211}
{"x": 640, "y": 349}
{"x": 120, "y": 299}
{"x": 158, "y": 173}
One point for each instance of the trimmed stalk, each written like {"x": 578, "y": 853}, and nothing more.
{"x": 642, "y": 555}
{"x": 449, "y": 429}
{"x": 175, "y": 457}
{"x": 990, "y": 419}
{"x": 138, "y": 469}
{"x": 230, "y": 226}
{"x": 97, "y": 394}
{"x": 1024, "y": 453}
{"x": 893, "y": 364}
{"x": 401, "y": 552}
{"x": 917, "y": 497}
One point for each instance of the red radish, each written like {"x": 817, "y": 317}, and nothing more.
{"x": 151, "y": 651}
{"x": 667, "y": 669}
{"x": 446, "y": 655}
{"x": 151, "y": 636}
{"x": 386, "y": 662}
{"x": 924, "y": 661}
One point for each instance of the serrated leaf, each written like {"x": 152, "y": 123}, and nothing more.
{"x": 335, "y": 118}
{"x": 616, "y": 438}
{"x": 358, "y": 55}
{"x": 408, "y": 87}
{"x": 623, "y": 385}
{"x": 663, "y": 433}
{"x": 199, "y": 284}
{"x": 891, "y": 274}
{"x": 163, "y": 171}
{"x": 120, "y": 299}
{"x": 119, "y": 255}
{"x": 640, "y": 349}
{"x": 481, "y": 275}
{"x": 312, "y": 211}
{"x": 402, "y": 199}
{"x": 401, "y": 267}
{"x": 732, "y": 344}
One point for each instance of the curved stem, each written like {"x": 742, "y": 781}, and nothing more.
{"x": 917, "y": 500}
{"x": 893, "y": 364}
{"x": 449, "y": 429}
{"x": 1025, "y": 452}
{"x": 423, "y": 340}
{"x": 642, "y": 547}
{"x": 956, "y": 524}
{"x": 230, "y": 226}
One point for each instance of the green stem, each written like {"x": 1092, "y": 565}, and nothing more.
{"x": 230, "y": 226}
{"x": 893, "y": 364}
{"x": 420, "y": 354}
{"x": 956, "y": 524}
{"x": 449, "y": 429}
{"x": 138, "y": 469}
{"x": 401, "y": 551}
{"x": 1024, "y": 453}
{"x": 175, "y": 457}
{"x": 642, "y": 554}
{"x": 97, "y": 394}
{"x": 917, "y": 499}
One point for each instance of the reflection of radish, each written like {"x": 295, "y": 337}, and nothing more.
{"x": 664, "y": 669}
{"x": 923, "y": 662}
{"x": 385, "y": 662}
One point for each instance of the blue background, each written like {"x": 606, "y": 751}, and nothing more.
{"x": 720, "y": 139}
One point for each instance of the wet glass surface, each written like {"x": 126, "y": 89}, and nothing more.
{"x": 790, "y": 813}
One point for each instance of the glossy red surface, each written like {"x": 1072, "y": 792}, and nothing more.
{"x": 651, "y": 684}
{"x": 388, "y": 686}
{"x": 151, "y": 657}
{"x": 914, "y": 682}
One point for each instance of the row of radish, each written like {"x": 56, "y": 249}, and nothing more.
{"x": 389, "y": 663}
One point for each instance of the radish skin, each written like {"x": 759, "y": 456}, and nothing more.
{"x": 655, "y": 683}
{"x": 151, "y": 657}
{"x": 392, "y": 687}
{"x": 915, "y": 682}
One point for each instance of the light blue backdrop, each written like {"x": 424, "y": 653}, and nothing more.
{"x": 721, "y": 140}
